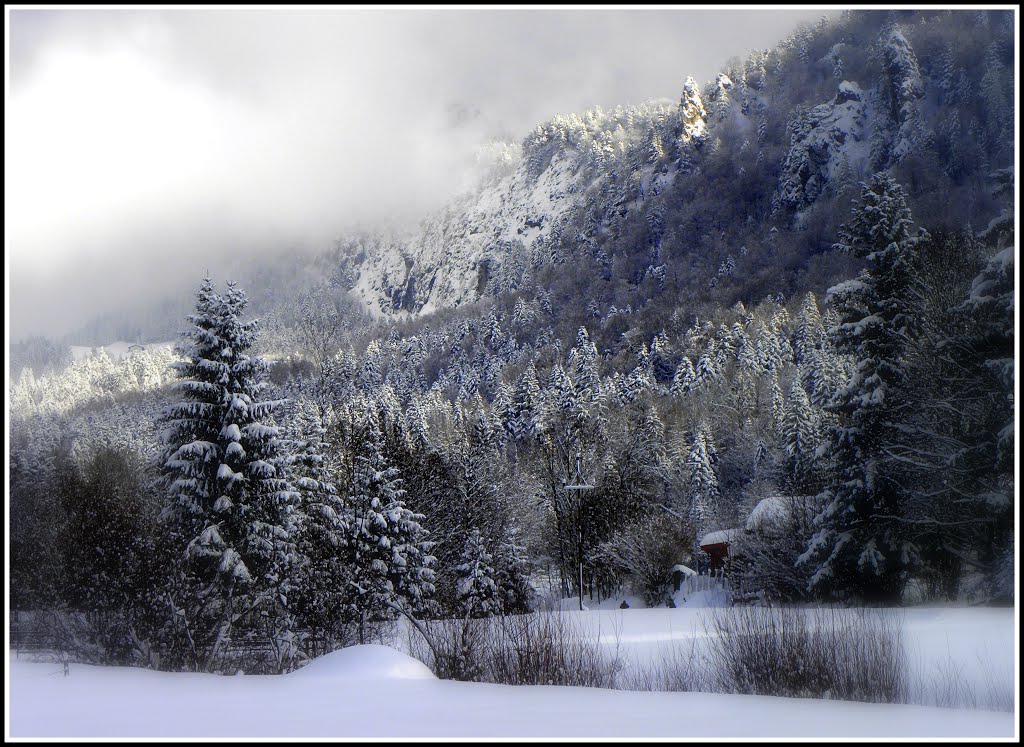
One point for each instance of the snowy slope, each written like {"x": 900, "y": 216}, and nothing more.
{"x": 488, "y": 239}
{"x": 799, "y": 130}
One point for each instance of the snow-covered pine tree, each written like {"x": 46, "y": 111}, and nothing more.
{"x": 370, "y": 376}
{"x": 685, "y": 380}
{"x": 709, "y": 443}
{"x": 662, "y": 366}
{"x": 809, "y": 331}
{"x": 702, "y": 484}
{"x": 230, "y": 506}
{"x": 512, "y": 576}
{"x": 481, "y": 468}
{"x": 560, "y": 403}
{"x": 320, "y": 598}
{"x": 706, "y": 371}
{"x": 778, "y": 406}
{"x": 502, "y": 408}
{"x": 862, "y": 547}
{"x": 387, "y": 551}
{"x": 827, "y": 369}
{"x": 990, "y": 308}
{"x": 801, "y": 434}
{"x": 636, "y": 384}
{"x": 491, "y": 329}
{"x": 984, "y": 487}
{"x": 526, "y": 406}
{"x": 583, "y": 366}
{"x": 476, "y": 590}
{"x": 746, "y": 356}
{"x": 523, "y": 315}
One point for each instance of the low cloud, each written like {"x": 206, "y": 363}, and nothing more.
{"x": 147, "y": 146}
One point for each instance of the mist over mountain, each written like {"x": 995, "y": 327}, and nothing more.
{"x": 731, "y": 193}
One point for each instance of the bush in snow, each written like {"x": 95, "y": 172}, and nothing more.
{"x": 839, "y": 654}
{"x": 542, "y": 648}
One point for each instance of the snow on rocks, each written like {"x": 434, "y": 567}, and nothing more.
{"x": 827, "y": 142}
{"x": 692, "y": 113}
{"x": 457, "y": 251}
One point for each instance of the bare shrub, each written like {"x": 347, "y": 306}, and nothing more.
{"x": 543, "y": 648}
{"x": 948, "y": 688}
{"x": 103, "y": 638}
{"x": 453, "y": 649}
{"x": 999, "y": 693}
{"x": 849, "y": 655}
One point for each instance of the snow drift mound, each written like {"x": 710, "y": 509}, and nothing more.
{"x": 369, "y": 661}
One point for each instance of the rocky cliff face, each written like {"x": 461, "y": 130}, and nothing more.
{"x": 483, "y": 241}
{"x": 828, "y": 143}
{"x": 667, "y": 189}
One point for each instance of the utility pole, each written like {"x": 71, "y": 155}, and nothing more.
{"x": 579, "y": 486}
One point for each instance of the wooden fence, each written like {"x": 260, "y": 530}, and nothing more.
{"x": 705, "y": 582}
{"x": 53, "y": 633}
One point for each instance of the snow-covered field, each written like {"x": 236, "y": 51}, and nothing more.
{"x": 978, "y": 643}
{"x": 374, "y": 691}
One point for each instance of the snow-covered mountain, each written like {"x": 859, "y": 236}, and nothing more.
{"x": 456, "y": 253}
{"x": 672, "y": 190}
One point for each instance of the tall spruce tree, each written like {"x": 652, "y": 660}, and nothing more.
{"x": 476, "y": 590}
{"x": 583, "y": 366}
{"x": 702, "y": 485}
{"x": 230, "y": 507}
{"x": 981, "y": 474}
{"x": 800, "y": 423}
{"x": 322, "y": 575}
{"x": 526, "y": 406}
{"x": 685, "y": 380}
{"x": 387, "y": 550}
{"x": 512, "y": 576}
{"x": 862, "y": 547}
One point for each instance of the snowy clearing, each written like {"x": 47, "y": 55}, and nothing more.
{"x": 977, "y": 642}
{"x": 375, "y": 691}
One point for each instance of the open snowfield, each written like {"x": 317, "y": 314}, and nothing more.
{"x": 977, "y": 642}
{"x": 374, "y": 691}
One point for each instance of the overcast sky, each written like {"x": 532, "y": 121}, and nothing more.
{"x": 143, "y": 147}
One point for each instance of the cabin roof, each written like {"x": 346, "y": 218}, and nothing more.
{"x": 722, "y": 536}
